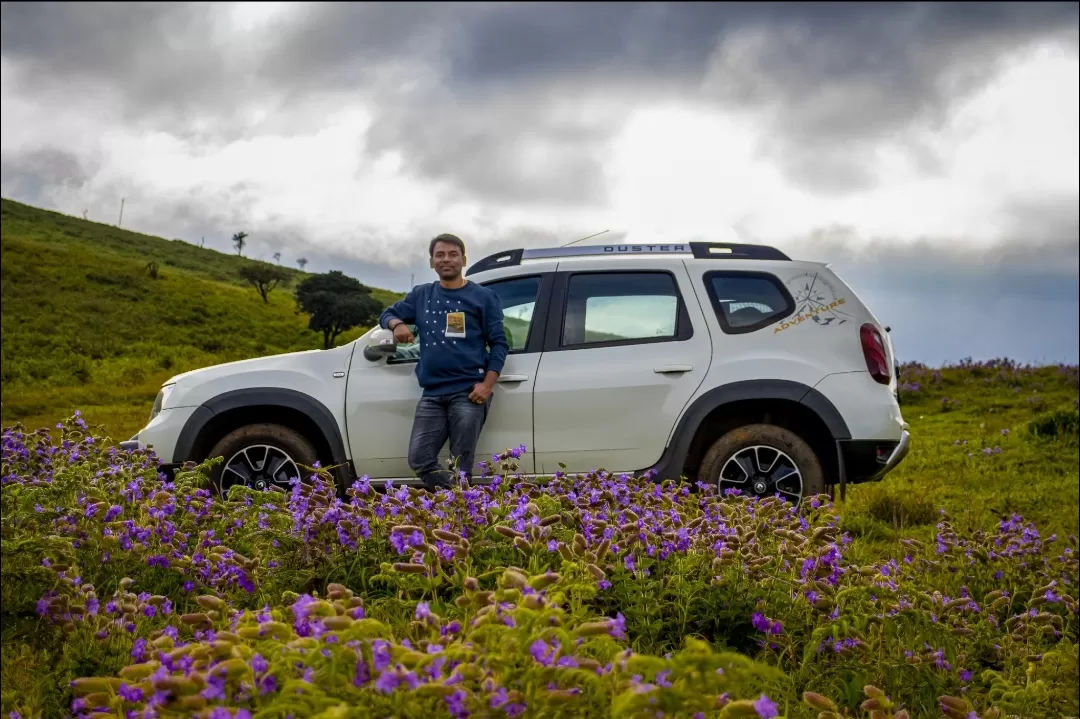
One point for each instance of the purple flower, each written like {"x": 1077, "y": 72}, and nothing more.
{"x": 456, "y": 703}
{"x": 542, "y": 652}
{"x": 765, "y": 625}
{"x": 380, "y": 649}
{"x": 215, "y": 688}
{"x": 765, "y": 707}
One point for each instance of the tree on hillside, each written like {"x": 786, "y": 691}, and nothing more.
{"x": 277, "y": 257}
{"x": 302, "y": 262}
{"x": 264, "y": 278}
{"x": 336, "y": 303}
{"x": 238, "y": 240}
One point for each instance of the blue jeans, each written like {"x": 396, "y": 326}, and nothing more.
{"x": 437, "y": 419}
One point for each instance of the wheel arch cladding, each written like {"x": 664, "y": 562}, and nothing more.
{"x": 755, "y": 397}
{"x": 230, "y": 410}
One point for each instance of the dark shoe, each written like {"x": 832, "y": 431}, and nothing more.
{"x": 435, "y": 481}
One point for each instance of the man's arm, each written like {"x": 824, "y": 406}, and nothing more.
{"x": 404, "y": 310}
{"x": 495, "y": 336}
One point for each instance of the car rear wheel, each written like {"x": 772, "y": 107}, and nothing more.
{"x": 260, "y": 456}
{"x": 763, "y": 460}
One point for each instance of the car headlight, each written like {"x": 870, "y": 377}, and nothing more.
{"x": 159, "y": 401}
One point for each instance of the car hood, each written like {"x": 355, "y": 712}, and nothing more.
{"x": 286, "y": 360}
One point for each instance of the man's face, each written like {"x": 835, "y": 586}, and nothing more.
{"x": 447, "y": 260}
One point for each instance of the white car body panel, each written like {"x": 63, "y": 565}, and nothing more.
{"x": 161, "y": 433}
{"x": 869, "y": 408}
{"x": 319, "y": 374}
{"x": 607, "y": 406}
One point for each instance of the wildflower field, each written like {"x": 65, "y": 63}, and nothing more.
{"x": 949, "y": 589}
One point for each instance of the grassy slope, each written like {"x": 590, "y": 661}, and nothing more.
{"x": 85, "y": 327}
{"x": 948, "y": 469}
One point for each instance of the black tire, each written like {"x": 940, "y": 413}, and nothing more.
{"x": 243, "y": 448}
{"x": 736, "y": 448}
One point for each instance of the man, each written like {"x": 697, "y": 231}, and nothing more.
{"x": 457, "y": 321}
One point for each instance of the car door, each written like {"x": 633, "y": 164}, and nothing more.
{"x": 382, "y": 395}
{"x": 626, "y": 349}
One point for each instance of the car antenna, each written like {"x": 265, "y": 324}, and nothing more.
{"x": 584, "y": 238}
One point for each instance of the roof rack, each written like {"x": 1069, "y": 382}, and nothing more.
{"x": 699, "y": 250}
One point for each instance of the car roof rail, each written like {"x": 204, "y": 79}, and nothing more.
{"x": 699, "y": 250}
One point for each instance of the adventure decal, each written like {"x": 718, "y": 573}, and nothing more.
{"x": 815, "y": 301}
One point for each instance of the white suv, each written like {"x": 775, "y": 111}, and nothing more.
{"x": 723, "y": 363}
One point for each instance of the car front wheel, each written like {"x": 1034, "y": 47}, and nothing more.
{"x": 763, "y": 460}
{"x": 260, "y": 456}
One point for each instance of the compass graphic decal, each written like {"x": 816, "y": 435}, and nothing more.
{"x": 816, "y": 300}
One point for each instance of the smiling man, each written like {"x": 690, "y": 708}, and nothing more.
{"x": 462, "y": 350}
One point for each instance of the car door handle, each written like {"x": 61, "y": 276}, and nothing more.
{"x": 673, "y": 368}
{"x": 513, "y": 377}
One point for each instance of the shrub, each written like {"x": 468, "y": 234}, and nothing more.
{"x": 898, "y": 511}
{"x": 1060, "y": 424}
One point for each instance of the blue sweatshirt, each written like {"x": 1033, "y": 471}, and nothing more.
{"x": 455, "y": 329}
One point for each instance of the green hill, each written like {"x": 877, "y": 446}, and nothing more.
{"x": 85, "y": 325}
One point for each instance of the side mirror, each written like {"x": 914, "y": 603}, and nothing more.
{"x": 380, "y": 344}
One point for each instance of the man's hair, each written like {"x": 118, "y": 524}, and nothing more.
{"x": 446, "y": 237}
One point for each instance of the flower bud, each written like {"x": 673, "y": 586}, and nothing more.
{"x": 409, "y": 568}
{"x": 515, "y": 578}
{"x": 818, "y": 701}
{"x": 338, "y": 623}
{"x": 199, "y": 618}
{"x": 208, "y": 601}
{"x": 90, "y": 685}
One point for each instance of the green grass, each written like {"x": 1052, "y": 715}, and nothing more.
{"x": 1034, "y": 474}
{"x": 85, "y": 325}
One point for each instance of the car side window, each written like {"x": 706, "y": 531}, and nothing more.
{"x": 605, "y": 308}
{"x": 518, "y": 297}
{"x": 747, "y": 301}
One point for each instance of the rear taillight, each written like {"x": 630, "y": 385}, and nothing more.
{"x": 873, "y": 348}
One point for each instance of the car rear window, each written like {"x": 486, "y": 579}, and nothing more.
{"x": 747, "y": 301}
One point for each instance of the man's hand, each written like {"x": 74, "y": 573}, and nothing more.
{"x": 403, "y": 335}
{"x": 481, "y": 392}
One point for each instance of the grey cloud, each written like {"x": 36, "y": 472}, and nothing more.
{"x": 39, "y": 174}
{"x": 831, "y": 77}
{"x": 517, "y": 151}
{"x": 1041, "y": 237}
{"x": 463, "y": 91}
{"x": 162, "y": 58}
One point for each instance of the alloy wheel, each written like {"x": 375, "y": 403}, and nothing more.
{"x": 260, "y": 467}
{"x": 762, "y": 471}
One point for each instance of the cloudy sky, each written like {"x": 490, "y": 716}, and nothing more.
{"x": 929, "y": 151}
